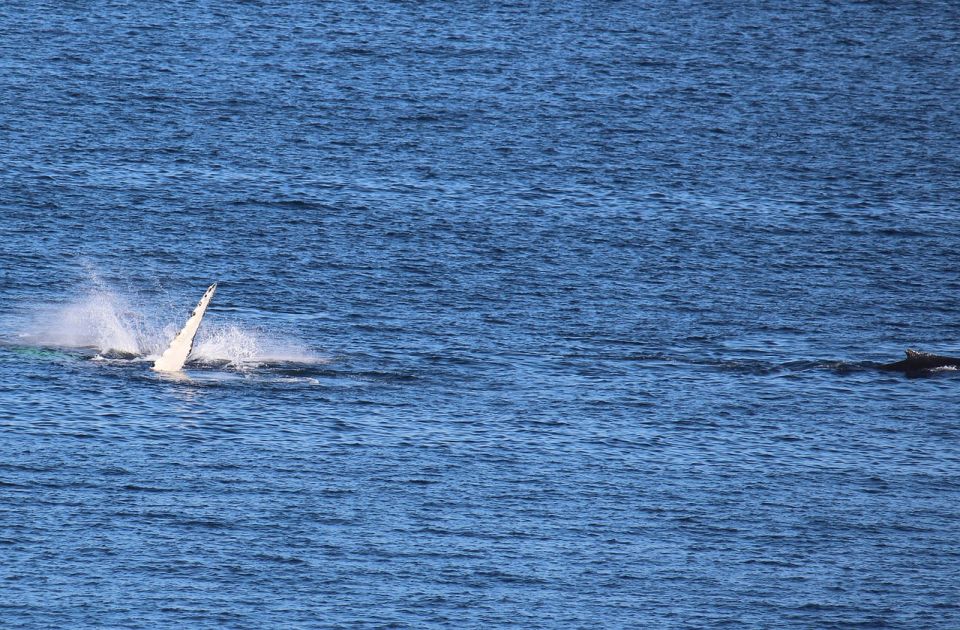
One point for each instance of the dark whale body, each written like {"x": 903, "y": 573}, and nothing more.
{"x": 920, "y": 361}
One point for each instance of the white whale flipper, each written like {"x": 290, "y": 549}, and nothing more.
{"x": 175, "y": 356}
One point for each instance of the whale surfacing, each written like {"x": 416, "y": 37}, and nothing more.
{"x": 175, "y": 356}
{"x": 917, "y": 361}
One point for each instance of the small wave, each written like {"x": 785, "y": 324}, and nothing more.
{"x": 759, "y": 367}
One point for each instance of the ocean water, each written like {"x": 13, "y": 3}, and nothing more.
{"x": 539, "y": 315}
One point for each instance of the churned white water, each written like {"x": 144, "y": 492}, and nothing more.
{"x": 113, "y": 324}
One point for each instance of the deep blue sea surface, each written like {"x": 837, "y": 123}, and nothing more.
{"x": 558, "y": 314}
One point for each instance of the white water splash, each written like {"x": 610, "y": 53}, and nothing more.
{"x": 244, "y": 347}
{"x": 100, "y": 320}
{"x": 231, "y": 344}
{"x": 104, "y": 321}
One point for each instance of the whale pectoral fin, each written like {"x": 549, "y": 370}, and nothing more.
{"x": 176, "y": 354}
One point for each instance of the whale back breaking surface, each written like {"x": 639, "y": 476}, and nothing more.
{"x": 917, "y": 361}
{"x": 176, "y": 354}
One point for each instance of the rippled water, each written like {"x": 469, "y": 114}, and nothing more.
{"x": 550, "y": 315}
